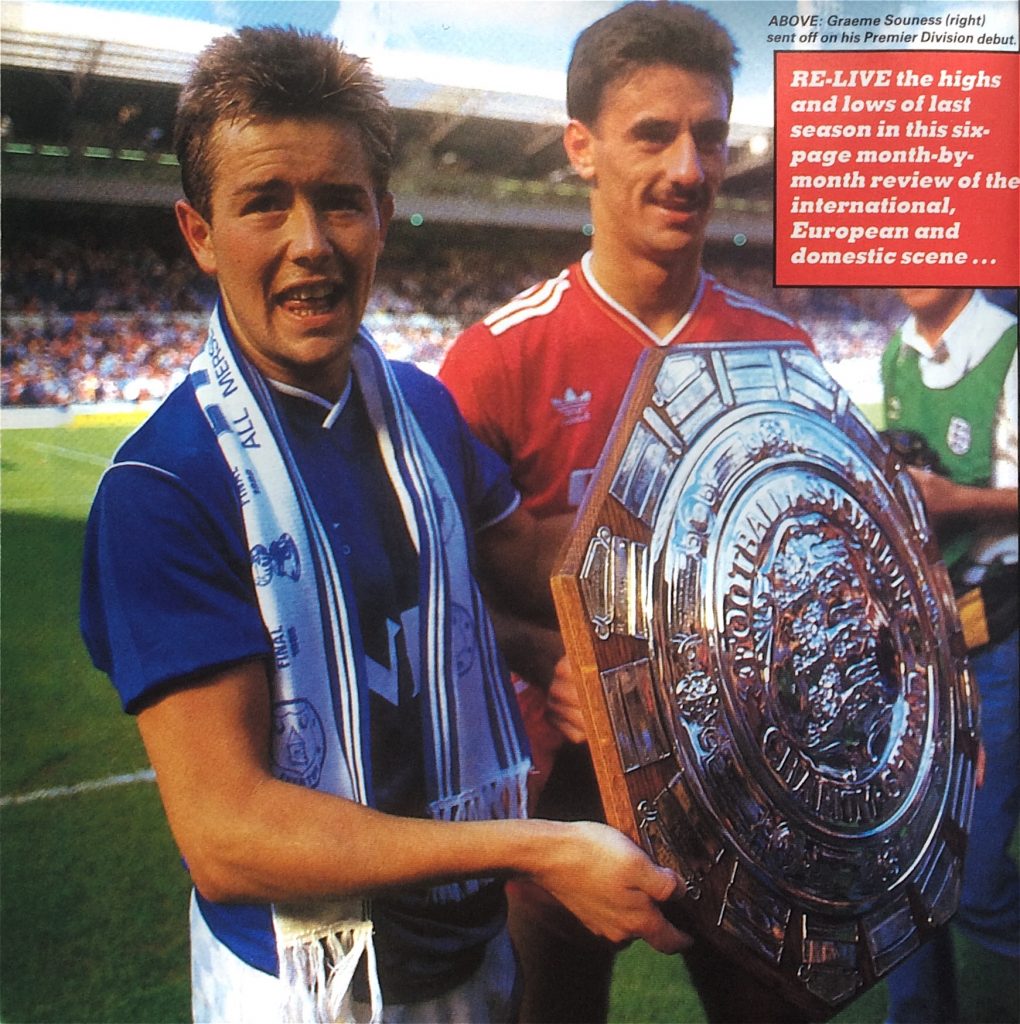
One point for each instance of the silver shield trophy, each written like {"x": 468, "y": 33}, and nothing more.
{"x": 772, "y": 668}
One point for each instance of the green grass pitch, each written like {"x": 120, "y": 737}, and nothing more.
{"x": 93, "y": 897}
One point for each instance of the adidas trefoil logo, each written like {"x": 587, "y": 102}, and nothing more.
{"x": 573, "y": 407}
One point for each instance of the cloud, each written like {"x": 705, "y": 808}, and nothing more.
{"x": 515, "y": 33}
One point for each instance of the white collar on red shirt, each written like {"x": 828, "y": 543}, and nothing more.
{"x": 662, "y": 342}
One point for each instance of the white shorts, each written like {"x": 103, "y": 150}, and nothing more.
{"x": 226, "y": 990}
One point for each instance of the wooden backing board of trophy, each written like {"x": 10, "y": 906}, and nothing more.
{"x": 773, "y": 676}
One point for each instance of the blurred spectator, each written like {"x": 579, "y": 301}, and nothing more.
{"x": 89, "y": 322}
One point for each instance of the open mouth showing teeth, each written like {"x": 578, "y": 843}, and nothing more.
{"x": 311, "y": 300}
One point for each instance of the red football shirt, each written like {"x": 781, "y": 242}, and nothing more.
{"x": 542, "y": 379}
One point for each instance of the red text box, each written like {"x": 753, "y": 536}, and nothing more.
{"x": 897, "y": 168}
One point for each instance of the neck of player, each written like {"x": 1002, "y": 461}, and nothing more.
{"x": 658, "y": 292}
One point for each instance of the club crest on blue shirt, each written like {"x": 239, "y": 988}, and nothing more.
{"x": 299, "y": 742}
{"x": 447, "y": 517}
{"x": 463, "y": 635}
{"x": 279, "y": 559}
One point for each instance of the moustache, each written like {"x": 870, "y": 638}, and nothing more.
{"x": 692, "y": 198}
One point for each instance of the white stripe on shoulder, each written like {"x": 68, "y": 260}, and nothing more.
{"x": 536, "y": 301}
{"x": 738, "y": 300}
{"x": 131, "y": 463}
{"x": 505, "y": 514}
{"x": 137, "y": 465}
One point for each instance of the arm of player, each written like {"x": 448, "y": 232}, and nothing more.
{"x": 946, "y": 501}
{"x": 532, "y": 649}
{"x": 249, "y": 837}
{"x": 536, "y": 654}
{"x": 563, "y": 703}
{"x": 516, "y": 558}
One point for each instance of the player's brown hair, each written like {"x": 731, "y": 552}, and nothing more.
{"x": 641, "y": 34}
{"x": 278, "y": 73}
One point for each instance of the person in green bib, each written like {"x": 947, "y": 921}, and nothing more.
{"x": 949, "y": 377}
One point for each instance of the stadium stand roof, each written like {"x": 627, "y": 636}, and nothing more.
{"x": 88, "y": 99}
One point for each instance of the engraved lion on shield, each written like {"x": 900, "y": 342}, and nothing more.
{"x": 827, "y": 646}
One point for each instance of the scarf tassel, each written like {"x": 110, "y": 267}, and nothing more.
{"x": 321, "y": 946}
{"x": 503, "y": 797}
{"x": 317, "y": 972}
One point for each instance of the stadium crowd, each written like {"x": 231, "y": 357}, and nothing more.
{"x": 84, "y": 322}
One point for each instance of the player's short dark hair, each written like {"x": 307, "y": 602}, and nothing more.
{"x": 277, "y": 72}
{"x": 639, "y": 35}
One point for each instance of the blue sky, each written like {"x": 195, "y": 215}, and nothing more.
{"x": 532, "y": 36}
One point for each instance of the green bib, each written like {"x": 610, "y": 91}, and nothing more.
{"x": 958, "y": 422}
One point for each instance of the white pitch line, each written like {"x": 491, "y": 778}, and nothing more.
{"x": 145, "y": 775}
{"x": 71, "y": 453}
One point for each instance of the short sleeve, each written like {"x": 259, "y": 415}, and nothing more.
{"x": 166, "y": 587}
{"x": 495, "y": 496}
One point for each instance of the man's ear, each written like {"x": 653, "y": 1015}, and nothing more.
{"x": 578, "y": 141}
{"x": 386, "y": 205}
{"x": 197, "y": 233}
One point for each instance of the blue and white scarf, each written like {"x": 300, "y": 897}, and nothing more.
{"x": 475, "y": 762}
